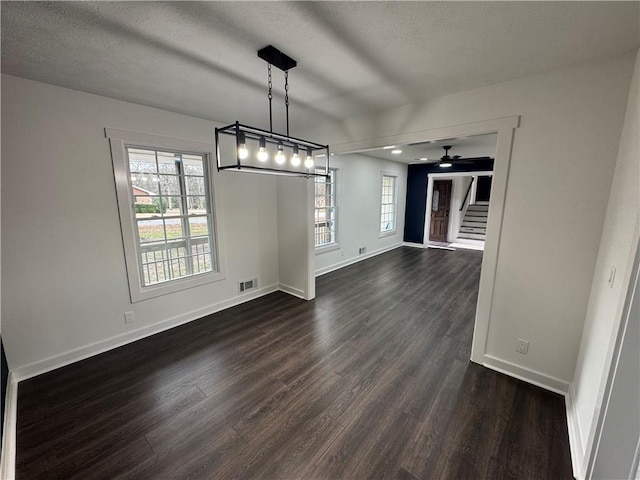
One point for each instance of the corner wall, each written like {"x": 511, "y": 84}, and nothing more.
{"x": 61, "y": 243}
{"x": 620, "y": 234}
{"x": 295, "y": 237}
{"x": 4, "y": 377}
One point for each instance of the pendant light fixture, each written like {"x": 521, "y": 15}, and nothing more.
{"x": 243, "y": 148}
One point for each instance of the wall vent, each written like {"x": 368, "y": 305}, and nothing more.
{"x": 247, "y": 285}
{"x": 362, "y": 250}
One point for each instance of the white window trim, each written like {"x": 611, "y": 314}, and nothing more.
{"x": 394, "y": 231}
{"x": 329, "y": 247}
{"x": 335, "y": 245}
{"x": 119, "y": 140}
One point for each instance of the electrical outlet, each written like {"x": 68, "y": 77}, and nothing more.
{"x": 129, "y": 317}
{"x": 523, "y": 346}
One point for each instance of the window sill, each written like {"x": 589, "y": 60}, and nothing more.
{"x": 156, "y": 290}
{"x": 388, "y": 233}
{"x": 327, "y": 248}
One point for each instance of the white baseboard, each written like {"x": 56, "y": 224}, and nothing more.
{"x": 66, "y": 358}
{"x": 296, "y": 292}
{"x": 414, "y": 245}
{"x": 470, "y": 241}
{"x": 575, "y": 435}
{"x": 8, "y": 460}
{"x": 530, "y": 376}
{"x": 359, "y": 258}
{"x": 467, "y": 246}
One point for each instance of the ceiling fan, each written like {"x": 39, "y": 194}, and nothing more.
{"x": 447, "y": 160}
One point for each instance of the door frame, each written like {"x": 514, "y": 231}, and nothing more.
{"x": 431, "y": 177}
{"x": 505, "y": 128}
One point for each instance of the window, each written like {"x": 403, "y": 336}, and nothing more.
{"x": 388, "y": 204}
{"x": 166, "y": 214}
{"x": 325, "y": 209}
{"x": 172, "y": 214}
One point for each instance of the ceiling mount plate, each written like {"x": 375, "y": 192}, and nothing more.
{"x": 275, "y": 57}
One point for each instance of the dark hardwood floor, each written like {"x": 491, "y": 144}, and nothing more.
{"x": 370, "y": 380}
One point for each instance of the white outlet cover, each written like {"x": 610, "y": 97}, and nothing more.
{"x": 523, "y": 346}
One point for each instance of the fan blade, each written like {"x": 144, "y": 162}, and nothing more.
{"x": 463, "y": 161}
{"x": 470, "y": 159}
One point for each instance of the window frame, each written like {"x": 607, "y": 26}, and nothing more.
{"x": 394, "y": 230}
{"x": 336, "y": 243}
{"x": 119, "y": 141}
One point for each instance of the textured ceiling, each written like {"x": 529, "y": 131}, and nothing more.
{"x": 354, "y": 58}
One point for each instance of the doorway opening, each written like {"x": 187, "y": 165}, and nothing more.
{"x": 467, "y": 210}
{"x": 461, "y": 220}
{"x": 503, "y": 129}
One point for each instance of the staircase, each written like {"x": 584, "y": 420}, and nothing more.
{"x": 474, "y": 223}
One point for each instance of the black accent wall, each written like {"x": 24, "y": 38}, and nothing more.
{"x": 417, "y": 194}
{"x": 483, "y": 190}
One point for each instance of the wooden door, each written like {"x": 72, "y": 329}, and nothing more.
{"x": 440, "y": 205}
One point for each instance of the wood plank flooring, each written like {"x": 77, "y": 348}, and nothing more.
{"x": 370, "y": 380}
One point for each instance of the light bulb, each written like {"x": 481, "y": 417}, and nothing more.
{"x": 444, "y": 165}
{"x": 280, "y": 158}
{"x": 295, "y": 158}
{"x": 308, "y": 163}
{"x": 263, "y": 155}
{"x": 242, "y": 147}
{"x": 243, "y": 152}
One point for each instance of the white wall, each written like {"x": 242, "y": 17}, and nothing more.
{"x": 359, "y": 190}
{"x": 460, "y": 185}
{"x": 558, "y": 186}
{"x": 62, "y": 248}
{"x": 295, "y": 249}
{"x": 605, "y": 304}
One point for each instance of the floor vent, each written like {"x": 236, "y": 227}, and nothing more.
{"x": 362, "y": 250}
{"x": 248, "y": 285}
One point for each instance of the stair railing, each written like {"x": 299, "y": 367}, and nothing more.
{"x": 466, "y": 195}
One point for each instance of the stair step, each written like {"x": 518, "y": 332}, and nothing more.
{"x": 479, "y": 231}
{"x": 478, "y": 208}
{"x": 473, "y": 223}
{"x": 473, "y": 228}
{"x": 476, "y": 213}
{"x": 472, "y": 236}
